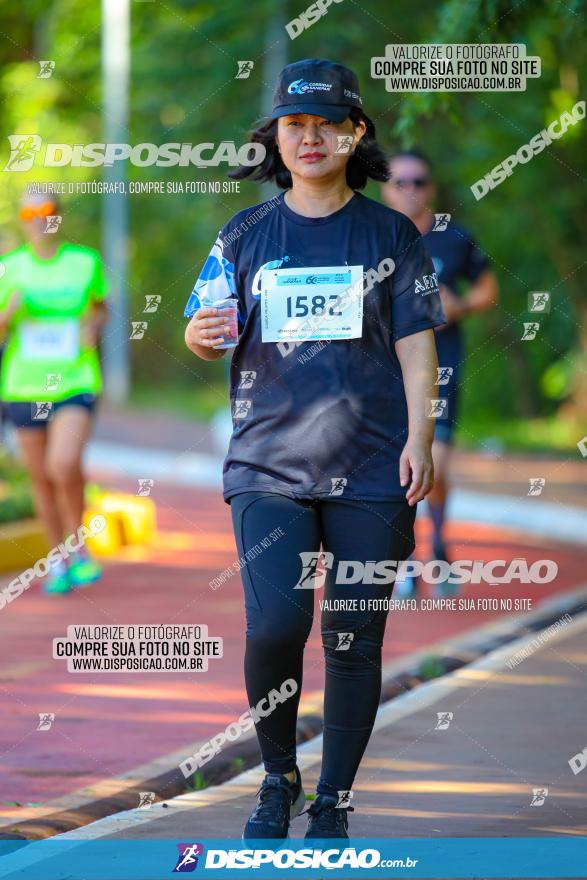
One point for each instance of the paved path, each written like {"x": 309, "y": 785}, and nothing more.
{"x": 497, "y": 767}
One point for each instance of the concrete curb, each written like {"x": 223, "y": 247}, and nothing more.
{"x": 399, "y": 678}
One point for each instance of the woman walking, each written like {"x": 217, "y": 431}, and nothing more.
{"x": 52, "y": 309}
{"x": 331, "y": 442}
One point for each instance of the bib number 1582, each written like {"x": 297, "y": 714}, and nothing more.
{"x": 300, "y": 308}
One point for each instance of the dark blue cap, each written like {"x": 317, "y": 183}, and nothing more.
{"x": 316, "y": 86}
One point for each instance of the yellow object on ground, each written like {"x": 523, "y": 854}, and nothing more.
{"x": 110, "y": 539}
{"x": 21, "y": 544}
{"x": 130, "y": 520}
{"x": 136, "y": 516}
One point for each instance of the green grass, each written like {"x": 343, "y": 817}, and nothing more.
{"x": 431, "y": 667}
{"x": 550, "y": 435}
{"x": 15, "y": 496}
{"x": 198, "y": 782}
{"x": 198, "y": 403}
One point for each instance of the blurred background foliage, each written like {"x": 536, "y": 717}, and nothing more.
{"x": 183, "y": 89}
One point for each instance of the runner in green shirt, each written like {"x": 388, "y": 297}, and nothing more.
{"x": 52, "y": 311}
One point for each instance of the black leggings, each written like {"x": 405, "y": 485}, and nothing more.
{"x": 279, "y": 618}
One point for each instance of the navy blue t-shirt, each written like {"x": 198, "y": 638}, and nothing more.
{"x": 325, "y": 417}
{"x": 456, "y": 258}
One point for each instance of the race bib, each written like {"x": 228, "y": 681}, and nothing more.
{"x": 299, "y": 305}
{"x": 48, "y": 340}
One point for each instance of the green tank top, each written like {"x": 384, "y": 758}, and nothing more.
{"x": 44, "y": 359}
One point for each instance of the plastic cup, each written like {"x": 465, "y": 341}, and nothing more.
{"x": 230, "y": 315}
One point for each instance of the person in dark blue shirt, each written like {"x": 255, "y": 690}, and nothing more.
{"x": 467, "y": 287}
{"x": 332, "y": 383}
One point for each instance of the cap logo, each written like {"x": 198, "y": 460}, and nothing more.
{"x": 302, "y": 87}
{"x": 349, "y": 94}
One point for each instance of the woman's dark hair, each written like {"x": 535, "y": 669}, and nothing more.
{"x": 367, "y": 161}
{"x": 413, "y": 154}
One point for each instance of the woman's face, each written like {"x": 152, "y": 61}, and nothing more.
{"x": 313, "y": 148}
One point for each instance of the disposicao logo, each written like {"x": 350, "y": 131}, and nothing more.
{"x": 187, "y": 859}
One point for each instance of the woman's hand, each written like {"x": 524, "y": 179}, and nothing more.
{"x": 419, "y": 363}
{"x": 416, "y": 460}
{"x": 205, "y": 331}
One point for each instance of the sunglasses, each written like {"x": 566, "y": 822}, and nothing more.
{"x": 43, "y": 210}
{"x": 418, "y": 182}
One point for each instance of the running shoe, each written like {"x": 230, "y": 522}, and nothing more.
{"x": 278, "y": 803}
{"x": 326, "y": 820}
{"x": 84, "y": 571}
{"x": 55, "y": 583}
{"x": 406, "y": 588}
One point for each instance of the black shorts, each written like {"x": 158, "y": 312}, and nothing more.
{"x": 31, "y": 414}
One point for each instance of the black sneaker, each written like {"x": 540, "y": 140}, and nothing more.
{"x": 279, "y": 802}
{"x": 326, "y": 820}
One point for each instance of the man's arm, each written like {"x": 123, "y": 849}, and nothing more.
{"x": 482, "y": 295}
